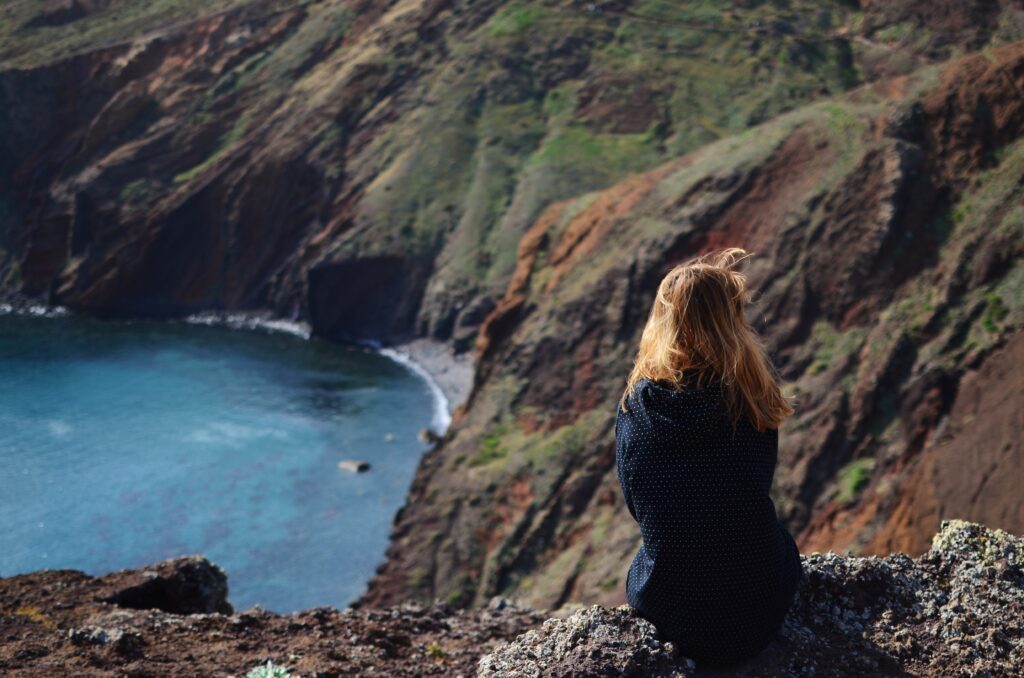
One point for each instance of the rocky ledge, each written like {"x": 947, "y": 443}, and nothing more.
{"x": 958, "y": 610}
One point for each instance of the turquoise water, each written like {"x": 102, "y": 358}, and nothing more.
{"x": 122, "y": 444}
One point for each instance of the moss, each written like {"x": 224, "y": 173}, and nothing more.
{"x": 602, "y": 525}
{"x": 227, "y": 141}
{"x": 491, "y": 448}
{"x": 852, "y": 478}
{"x": 514, "y": 20}
{"x": 832, "y": 346}
{"x": 456, "y": 598}
{"x": 564, "y": 442}
{"x": 23, "y": 46}
{"x": 559, "y": 102}
{"x": 36, "y": 615}
{"x": 995, "y": 313}
{"x": 136, "y": 191}
{"x": 895, "y": 32}
{"x": 841, "y": 119}
{"x": 417, "y": 578}
{"x": 619, "y": 154}
{"x": 960, "y": 213}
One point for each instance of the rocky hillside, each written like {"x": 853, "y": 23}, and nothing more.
{"x": 512, "y": 178}
{"x": 956, "y": 611}
{"x": 889, "y": 225}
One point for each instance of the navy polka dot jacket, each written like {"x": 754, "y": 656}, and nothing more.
{"x": 717, "y": 571}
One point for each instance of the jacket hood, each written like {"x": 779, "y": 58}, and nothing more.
{"x": 667, "y": 402}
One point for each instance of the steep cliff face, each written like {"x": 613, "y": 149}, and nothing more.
{"x": 514, "y": 178}
{"x": 169, "y": 157}
{"x": 322, "y": 159}
{"x": 889, "y": 227}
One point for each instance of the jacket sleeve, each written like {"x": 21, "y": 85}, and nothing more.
{"x": 621, "y": 466}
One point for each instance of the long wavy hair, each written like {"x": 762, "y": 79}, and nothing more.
{"x": 697, "y": 331}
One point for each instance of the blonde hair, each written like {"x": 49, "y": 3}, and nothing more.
{"x": 697, "y": 325}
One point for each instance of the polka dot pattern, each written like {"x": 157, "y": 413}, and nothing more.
{"x": 717, "y": 570}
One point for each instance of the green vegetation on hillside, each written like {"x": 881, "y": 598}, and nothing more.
{"x": 33, "y": 32}
{"x": 852, "y": 478}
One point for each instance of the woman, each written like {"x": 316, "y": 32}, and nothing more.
{"x": 696, "y": 444}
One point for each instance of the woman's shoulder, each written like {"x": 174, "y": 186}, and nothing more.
{"x": 654, "y": 400}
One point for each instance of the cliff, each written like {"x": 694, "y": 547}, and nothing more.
{"x": 512, "y": 178}
{"x": 889, "y": 231}
{"x": 956, "y": 610}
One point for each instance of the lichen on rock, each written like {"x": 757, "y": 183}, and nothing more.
{"x": 958, "y": 610}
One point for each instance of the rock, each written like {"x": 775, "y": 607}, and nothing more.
{"x": 956, "y": 610}
{"x": 429, "y": 436}
{"x": 594, "y": 641}
{"x": 354, "y": 465}
{"x": 124, "y": 641}
{"x": 181, "y": 586}
{"x": 499, "y": 603}
{"x": 55, "y": 623}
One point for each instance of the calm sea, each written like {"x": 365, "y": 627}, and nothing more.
{"x": 124, "y": 443}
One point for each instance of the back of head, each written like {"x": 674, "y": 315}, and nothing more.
{"x": 697, "y": 325}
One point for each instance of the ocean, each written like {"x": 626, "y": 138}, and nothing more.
{"x": 125, "y": 443}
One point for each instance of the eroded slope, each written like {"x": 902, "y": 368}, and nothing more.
{"x": 889, "y": 228}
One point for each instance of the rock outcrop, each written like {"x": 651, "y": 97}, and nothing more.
{"x": 172, "y": 619}
{"x": 958, "y": 610}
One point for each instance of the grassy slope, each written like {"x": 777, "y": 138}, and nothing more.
{"x": 28, "y": 38}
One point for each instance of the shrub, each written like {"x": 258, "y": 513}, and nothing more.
{"x": 853, "y": 477}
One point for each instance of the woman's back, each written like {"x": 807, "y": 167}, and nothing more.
{"x": 717, "y": 571}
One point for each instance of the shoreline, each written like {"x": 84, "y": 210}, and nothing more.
{"x": 449, "y": 377}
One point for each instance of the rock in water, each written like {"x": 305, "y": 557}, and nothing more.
{"x": 429, "y": 436}
{"x": 354, "y": 465}
{"x": 958, "y": 610}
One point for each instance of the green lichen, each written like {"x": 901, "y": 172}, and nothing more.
{"x": 965, "y": 539}
{"x": 436, "y": 651}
